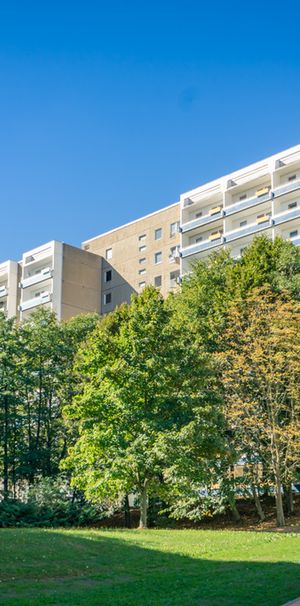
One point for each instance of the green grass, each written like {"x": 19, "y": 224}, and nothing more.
{"x": 148, "y": 568}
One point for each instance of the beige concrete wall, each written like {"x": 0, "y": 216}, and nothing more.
{"x": 81, "y": 282}
{"x": 125, "y": 261}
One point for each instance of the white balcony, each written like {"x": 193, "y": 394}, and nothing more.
{"x": 35, "y": 301}
{"x": 247, "y": 203}
{"x": 42, "y": 275}
{"x": 209, "y": 218}
{"x": 256, "y": 227}
{"x": 284, "y": 189}
{"x": 198, "y": 247}
{"x": 287, "y": 215}
{"x": 3, "y": 291}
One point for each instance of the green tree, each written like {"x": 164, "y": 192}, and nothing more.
{"x": 141, "y": 388}
{"x": 261, "y": 378}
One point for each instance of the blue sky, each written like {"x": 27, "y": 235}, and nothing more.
{"x": 109, "y": 110}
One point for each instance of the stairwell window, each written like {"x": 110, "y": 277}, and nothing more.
{"x": 174, "y": 228}
{"x": 158, "y": 258}
{"x": 108, "y": 254}
{"x": 158, "y": 233}
{"x": 107, "y": 298}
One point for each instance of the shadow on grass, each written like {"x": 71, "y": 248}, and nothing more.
{"x": 88, "y": 568}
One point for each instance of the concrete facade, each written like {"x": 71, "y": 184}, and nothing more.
{"x": 142, "y": 252}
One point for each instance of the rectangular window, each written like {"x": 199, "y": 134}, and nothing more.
{"x": 108, "y": 275}
{"x": 243, "y": 197}
{"x": 292, "y": 178}
{"x": 142, "y": 237}
{"x": 142, "y": 248}
{"x": 294, "y": 234}
{"x": 174, "y": 278}
{"x": 158, "y": 233}
{"x": 107, "y": 298}
{"x": 174, "y": 253}
{"x": 174, "y": 228}
{"x": 142, "y": 285}
{"x": 157, "y": 258}
{"x": 157, "y": 281}
{"x": 243, "y": 223}
{"x": 142, "y": 272}
{"x": 199, "y": 239}
{"x": 199, "y": 214}
{"x": 242, "y": 249}
{"x": 108, "y": 254}
{"x": 293, "y": 205}
{"x": 142, "y": 260}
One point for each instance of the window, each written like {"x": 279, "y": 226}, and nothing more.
{"x": 108, "y": 254}
{"x": 142, "y": 248}
{"x": 293, "y": 205}
{"x": 107, "y": 298}
{"x": 243, "y": 223}
{"x": 199, "y": 214}
{"x": 157, "y": 281}
{"x": 243, "y": 197}
{"x": 142, "y": 272}
{"x": 294, "y": 234}
{"x": 174, "y": 278}
{"x": 292, "y": 178}
{"x": 199, "y": 239}
{"x": 142, "y": 237}
{"x": 142, "y": 285}
{"x": 243, "y": 249}
{"x": 158, "y": 233}
{"x": 142, "y": 260}
{"x": 174, "y": 228}
{"x": 174, "y": 253}
{"x": 108, "y": 275}
{"x": 157, "y": 258}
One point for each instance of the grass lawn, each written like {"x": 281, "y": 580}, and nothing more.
{"x": 155, "y": 567}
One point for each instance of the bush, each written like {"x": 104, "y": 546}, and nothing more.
{"x": 51, "y": 502}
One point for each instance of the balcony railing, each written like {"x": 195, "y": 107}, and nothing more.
{"x": 248, "y": 230}
{"x": 288, "y": 215}
{"x": 40, "y": 300}
{"x": 201, "y": 221}
{"x": 201, "y": 246}
{"x": 284, "y": 189}
{"x": 248, "y": 203}
{"x": 3, "y": 291}
{"x": 44, "y": 274}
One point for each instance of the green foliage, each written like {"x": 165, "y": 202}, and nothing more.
{"x": 144, "y": 394}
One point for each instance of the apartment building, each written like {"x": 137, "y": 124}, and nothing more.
{"x": 57, "y": 276}
{"x": 145, "y": 251}
{"x": 158, "y": 248}
{"x": 9, "y": 294}
{"x": 228, "y": 212}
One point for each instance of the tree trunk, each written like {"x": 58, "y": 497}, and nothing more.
{"x": 143, "y": 508}
{"x": 279, "y": 503}
{"x": 127, "y": 516}
{"x": 234, "y": 510}
{"x": 5, "y": 448}
{"x": 288, "y": 499}
{"x": 258, "y": 506}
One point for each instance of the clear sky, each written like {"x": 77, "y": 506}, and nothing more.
{"x": 109, "y": 110}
